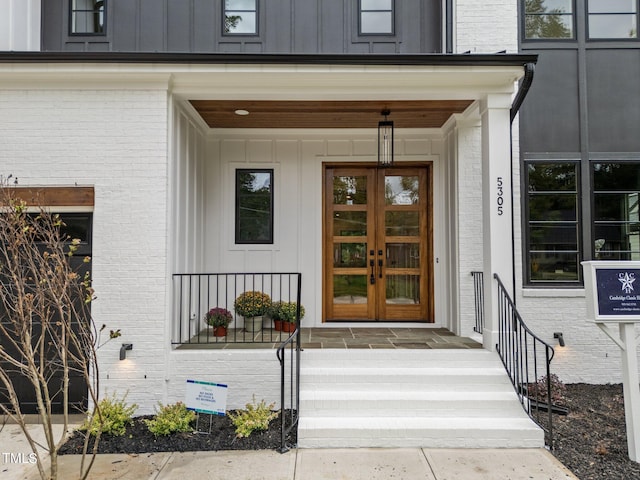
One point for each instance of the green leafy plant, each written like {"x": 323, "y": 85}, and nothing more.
{"x": 255, "y": 417}
{"x": 111, "y": 417}
{"x": 170, "y": 419}
{"x": 252, "y": 304}
{"x": 218, "y": 317}
{"x": 285, "y": 311}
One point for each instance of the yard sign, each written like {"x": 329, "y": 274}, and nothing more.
{"x": 206, "y": 397}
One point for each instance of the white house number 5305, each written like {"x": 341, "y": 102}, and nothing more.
{"x": 500, "y": 197}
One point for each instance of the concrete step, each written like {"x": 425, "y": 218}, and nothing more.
{"x": 399, "y": 432}
{"x": 402, "y": 398}
{"x": 394, "y": 403}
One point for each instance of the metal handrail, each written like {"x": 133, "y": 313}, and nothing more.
{"x": 478, "y": 300}
{"x": 521, "y": 352}
{"x": 294, "y": 343}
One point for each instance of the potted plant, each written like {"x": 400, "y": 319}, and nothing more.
{"x": 276, "y": 315}
{"x": 288, "y": 311}
{"x": 252, "y": 305}
{"x": 219, "y": 318}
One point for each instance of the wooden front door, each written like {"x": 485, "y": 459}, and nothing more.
{"x": 377, "y": 248}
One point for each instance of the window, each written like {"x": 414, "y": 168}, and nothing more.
{"x": 254, "y": 206}
{"x": 88, "y": 17}
{"x": 240, "y": 17}
{"x": 616, "y": 217}
{"x": 548, "y": 19}
{"x": 613, "y": 19}
{"x": 376, "y": 17}
{"x": 553, "y": 250}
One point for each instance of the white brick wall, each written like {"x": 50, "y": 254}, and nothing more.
{"x": 486, "y": 26}
{"x": 117, "y": 142}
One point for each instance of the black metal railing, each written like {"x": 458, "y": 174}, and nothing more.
{"x": 194, "y": 294}
{"x": 478, "y": 300}
{"x": 527, "y": 359}
{"x": 289, "y": 390}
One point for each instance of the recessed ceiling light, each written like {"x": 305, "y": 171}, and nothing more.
{"x": 241, "y": 112}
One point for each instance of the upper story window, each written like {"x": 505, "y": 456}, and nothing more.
{"x": 88, "y": 17}
{"x": 241, "y": 17}
{"x": 613, "y": 19}
{"x": 376, "y": 17}
{"x": 548, "y": 19}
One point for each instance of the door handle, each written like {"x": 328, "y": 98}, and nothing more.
{"x": 372, "y": 278}
{"x": 380, "y": 268}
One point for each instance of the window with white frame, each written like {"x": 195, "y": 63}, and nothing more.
{"x": 87, "y": 17}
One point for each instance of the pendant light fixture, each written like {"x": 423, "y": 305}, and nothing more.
{"x": 385, "y": 141}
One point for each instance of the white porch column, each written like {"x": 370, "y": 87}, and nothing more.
{"x": 20, "y": 25}
{"x": 496, "y": 206}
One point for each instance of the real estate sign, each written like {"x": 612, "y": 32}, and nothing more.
{"x": 612, "y": 290}
{"x": 206, "y": 397}
{"x": 613, "y": 297}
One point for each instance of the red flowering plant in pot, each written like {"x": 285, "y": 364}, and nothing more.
{"x": 219, "y": 318}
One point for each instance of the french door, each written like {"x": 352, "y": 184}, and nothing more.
{"x": 377, "y": 244}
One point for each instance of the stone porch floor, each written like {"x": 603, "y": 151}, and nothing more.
{"x": 339, "y": 337}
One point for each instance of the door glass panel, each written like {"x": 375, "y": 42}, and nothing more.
{"x": 349, "y": 224}
{"x": 402, "y": 223}
{"x": 403, "y": 289}
{"x": 349, "y": 289}
{"x": 403, "y": 255}
{"x": 401, "y": 189}
{"x": 349, "y": 255}
{"x": 350, "y": 190}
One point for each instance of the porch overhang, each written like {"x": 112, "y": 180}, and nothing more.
{"x": 423, "y": 89}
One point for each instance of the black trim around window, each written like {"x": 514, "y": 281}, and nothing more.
{"x": 391, "y": 11}
{"x": 226, "y": 31}
{"x": 254, "y": 206}
{"x": 544, "y": 22}
{"x": 600, "y": 14}
{"x": 552, "y": 223}
{"x": 98, "y": 13}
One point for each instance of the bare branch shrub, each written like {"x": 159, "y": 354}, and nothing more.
{"x": 47, "y": 335}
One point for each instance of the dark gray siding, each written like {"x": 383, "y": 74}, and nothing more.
{"x": 613, "y": 100}
{"x": 285, "y": 26}
{"x": 549, "y": 115}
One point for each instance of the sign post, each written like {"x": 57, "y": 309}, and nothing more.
{"x": 613, "y": 297}
{"x": 206, "y": 397}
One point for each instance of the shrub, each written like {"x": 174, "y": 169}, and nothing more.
{"x": 255, "y": 417}
{"x": 285, "y": 311}
{"x": 116, "y": 415}
{"x": 538, "y": 390}
{"x": 171, "y": 418}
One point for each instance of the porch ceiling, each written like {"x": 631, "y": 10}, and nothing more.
{"x": 327, "y": 114}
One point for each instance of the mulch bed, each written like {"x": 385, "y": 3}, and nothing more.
{"x": 591, "y": 440}
{"x": 138, "y": 439}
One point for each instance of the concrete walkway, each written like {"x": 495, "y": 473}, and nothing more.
{"x": 301, "y": 464}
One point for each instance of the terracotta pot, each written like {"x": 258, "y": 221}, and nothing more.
{"x": 277, "y": 325}
{"x": 288, "y": 327}
{"x": 219, "y": 331}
